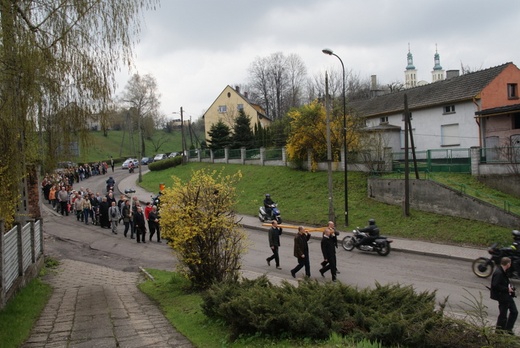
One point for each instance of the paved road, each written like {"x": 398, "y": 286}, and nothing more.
{"x": 94, "y": 305}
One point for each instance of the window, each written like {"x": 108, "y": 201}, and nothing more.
{"x": 450, "y": 135}
{"x": 512, "y": 91}
{"x": 222, "y": 109}
{"x": 449, "y": 109}
{"x": 516, "y": 120}
{"x": 383, "y": 120}
{"x": 240, "y": 107}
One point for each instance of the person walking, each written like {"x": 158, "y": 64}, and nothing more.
{"x": 274, "y": 243}
{"x": 87, "y": 208}
{"x": 63, "y": 199}
{"x": 301, "y": 252}
{"x": 328, "y": 248}
{"x": 334, "y": 236}
{"x": 503, "y": 291}
{"x": 78, "y": 206}
{"x": 128, "y": 219}
{"x": 153, "y": 224}
{"x": 113, "y": 216}
{"x": 52, "y": 196}
{"x": 104, "y": 220}
{"x": 140, "y": 225}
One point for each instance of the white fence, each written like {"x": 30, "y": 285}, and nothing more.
{"x": 21, "y": 257}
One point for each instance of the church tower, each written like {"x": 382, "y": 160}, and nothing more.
{"x": 437, "y": 72}
{"x": 410, "y": 74}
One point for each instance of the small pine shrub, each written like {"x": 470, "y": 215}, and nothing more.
{"x": 165, "y": 163}
{"x": 390, "y": 315}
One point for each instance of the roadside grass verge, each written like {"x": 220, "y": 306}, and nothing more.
{"x": 183, "y": 309}
{"x": 303, "y": 198}
{"x": 21, "y": 312}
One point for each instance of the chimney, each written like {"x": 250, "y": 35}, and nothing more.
{"x": 373, "y": 82}
{"x": 246, "y": 94}
{"x": 237, "y": 88}
{"x": 451, "y": 73}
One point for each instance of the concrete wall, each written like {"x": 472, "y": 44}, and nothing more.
{"x": 433, "y": 197}
{"x": 504, "y": 183}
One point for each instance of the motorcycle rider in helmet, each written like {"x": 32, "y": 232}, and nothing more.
{"x": 268, "y": 202}
{"x": 110, "y": 184}
{"x": 372, "y": 232}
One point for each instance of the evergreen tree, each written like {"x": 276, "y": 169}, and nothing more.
{"x": 220, "y": 136}
{"x": 242, "y": 134}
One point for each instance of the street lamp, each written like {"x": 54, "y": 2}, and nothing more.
{"x": 331, "y": 53}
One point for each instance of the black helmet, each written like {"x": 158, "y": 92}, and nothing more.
{"x": 371, "y": 222}
{"x": 267, "y": 195}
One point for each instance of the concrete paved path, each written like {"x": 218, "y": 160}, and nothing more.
{"x": 95, "y": 306}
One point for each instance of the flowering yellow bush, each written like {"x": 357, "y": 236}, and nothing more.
{"x": 198, "y": 220}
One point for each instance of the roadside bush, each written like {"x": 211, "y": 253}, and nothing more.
{"x": 393, "y": 315}
{"x": 165, "y": 163}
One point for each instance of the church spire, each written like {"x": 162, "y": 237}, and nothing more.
{"x": 437, "y": 60}
{"x": 410, "y": 74}
{"x": 409, "y": 56}
{"x": 438, "y": 72}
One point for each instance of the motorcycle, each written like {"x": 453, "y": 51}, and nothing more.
{"x": 483, "y": 267}
{"x": 156, "y": 200}
{"x": 275, "y": 214}
{"x": 381, "y": 244}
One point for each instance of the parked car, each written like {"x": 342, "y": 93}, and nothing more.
{"x": 174, "y": 154}
{"x": 159, "y": 157}
{"x": 127, "y": 163}
{"x": 146, "y": 160}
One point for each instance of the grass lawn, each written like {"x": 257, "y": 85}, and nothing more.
{"x": 119, "y": 144}
{"x": 21, "y": 312}
{"x": 302, "y": 198}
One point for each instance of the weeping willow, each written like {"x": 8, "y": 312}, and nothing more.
{"x": 58, "y": 60}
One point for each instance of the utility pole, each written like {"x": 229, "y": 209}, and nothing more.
{"x": 406, "y": 159}
{"x": 329, "y": 150}
{"x": 183, "y": 140}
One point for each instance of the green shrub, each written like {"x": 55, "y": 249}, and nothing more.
{"x": 165, "y": 163}
{"x": 392, "y": 315}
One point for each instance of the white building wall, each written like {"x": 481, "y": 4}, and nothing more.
{"x": 427, "y": 127}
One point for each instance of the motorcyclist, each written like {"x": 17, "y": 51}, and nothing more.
{"x": 268, "y": 205}
{"x": 110, "y": 184}
{"x": 372, "y": 232}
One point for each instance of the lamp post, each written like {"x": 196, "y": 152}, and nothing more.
{"x": 331, "y": 53}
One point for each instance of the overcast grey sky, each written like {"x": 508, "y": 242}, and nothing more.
{"x": 195, "y": 48}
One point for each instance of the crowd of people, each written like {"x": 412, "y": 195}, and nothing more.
{"x": 102, "y": 210}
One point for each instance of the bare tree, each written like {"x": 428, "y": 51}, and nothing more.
{"x": 142, "y": 97}
{"x": 276, "y": 83}
{"x": 395, "y": 86}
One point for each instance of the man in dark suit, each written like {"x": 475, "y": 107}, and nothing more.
{"x": 140, "y": 225}
{"x": 274, "y": 243}
{"x": 328, "y": 248}
{"x": 503, "y": 292}
{"x": 301, "y": 252}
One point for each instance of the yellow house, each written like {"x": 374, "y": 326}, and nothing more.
{"x": 227, "y": 106}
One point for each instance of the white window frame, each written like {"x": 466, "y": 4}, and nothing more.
{"x": 450, "y": 135}
{"x": 448, "y": 109}
{"x": 222, "y": 109}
